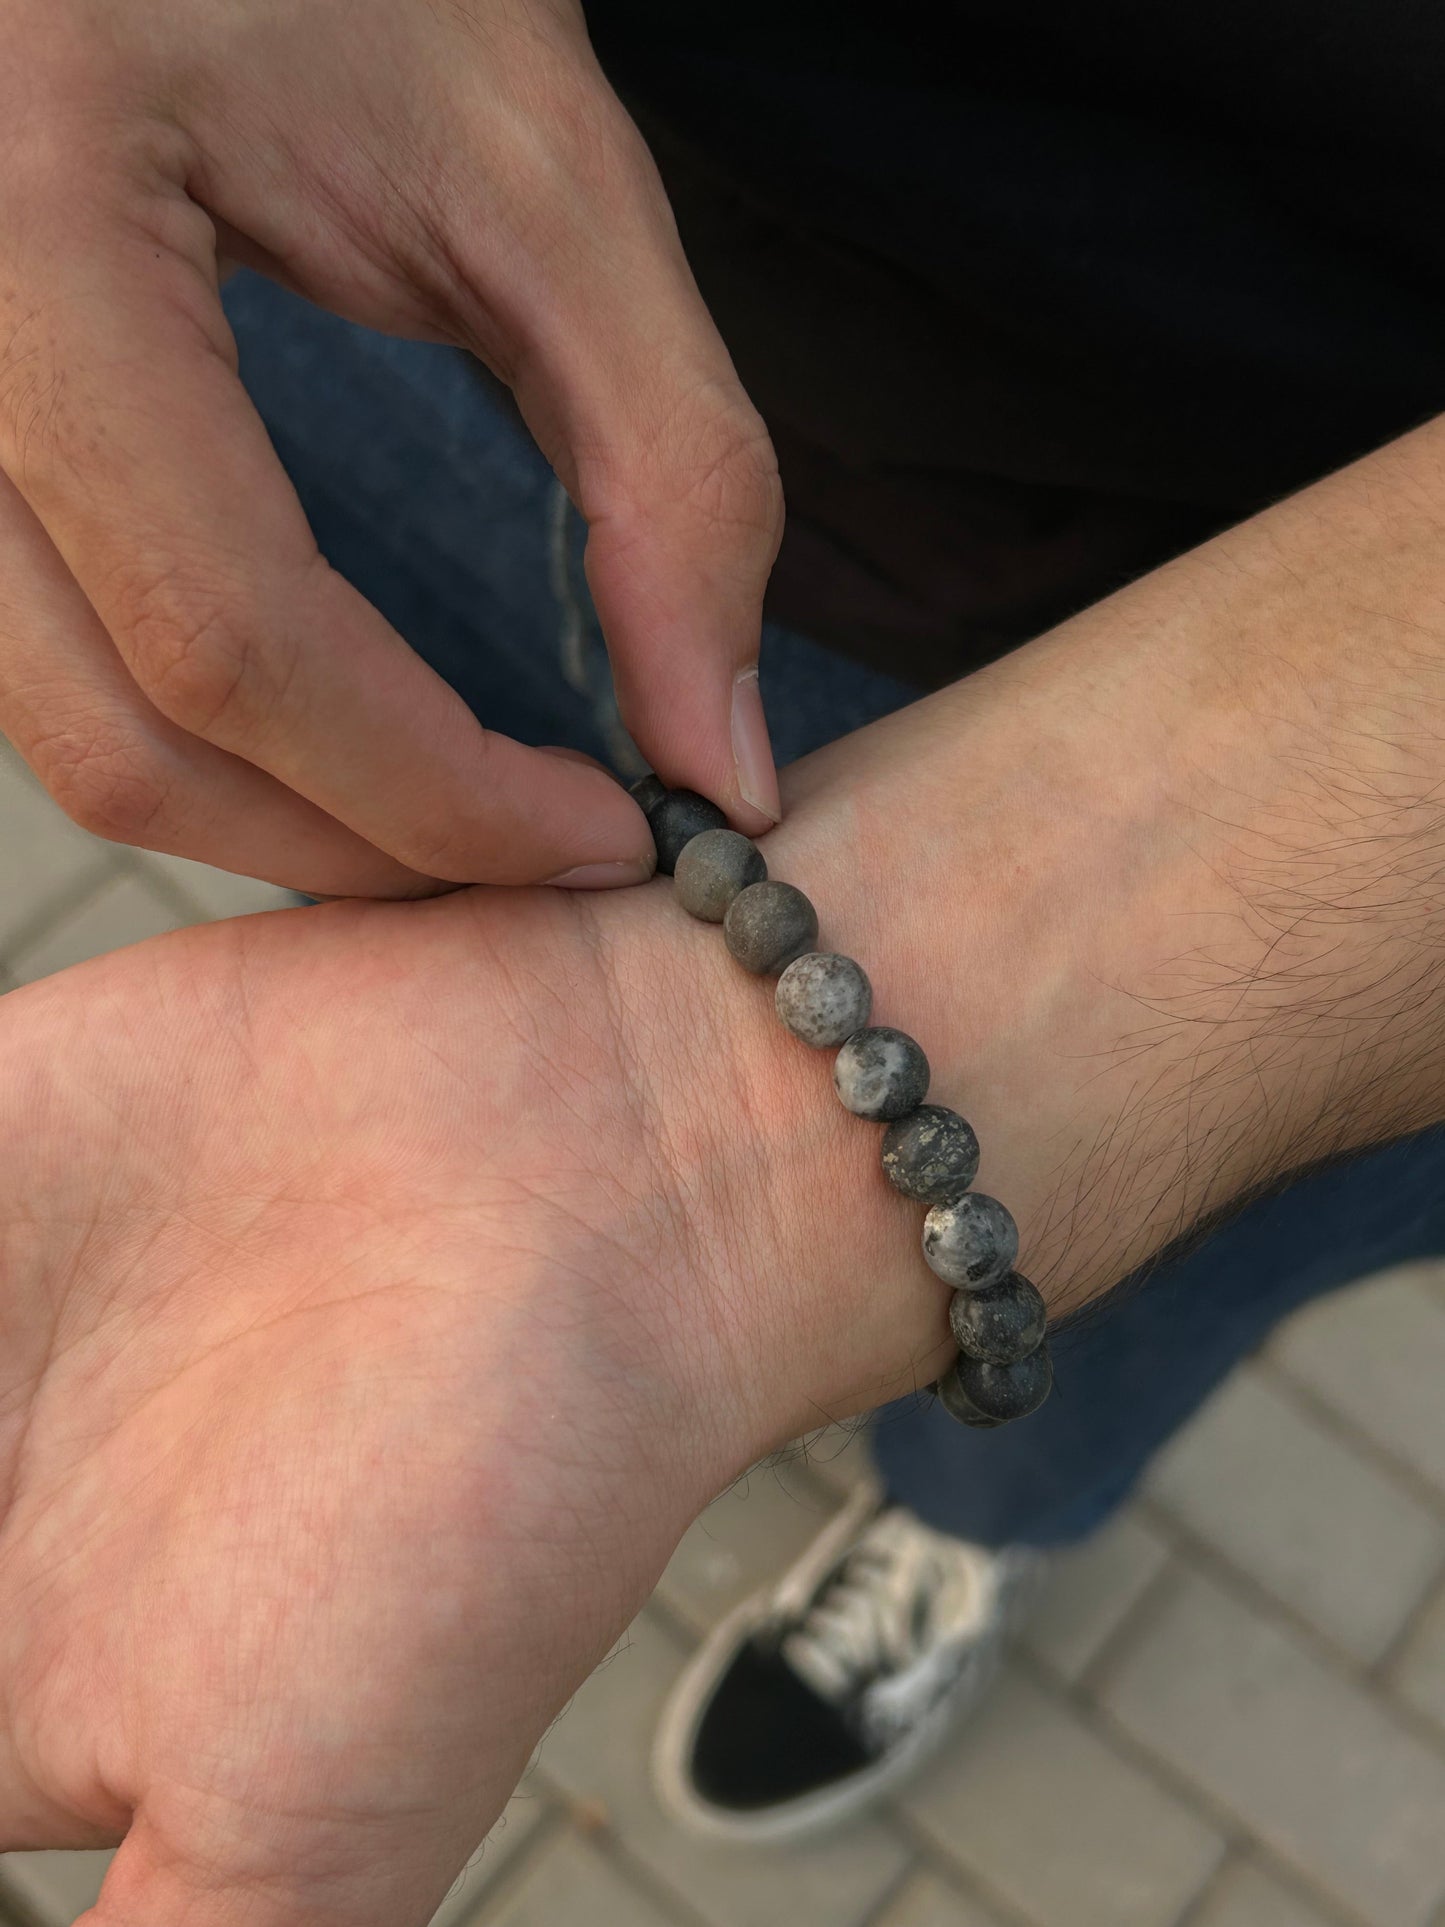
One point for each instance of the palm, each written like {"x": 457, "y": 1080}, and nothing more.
{"x": 313, "y": 1493}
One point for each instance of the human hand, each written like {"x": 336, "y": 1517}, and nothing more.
{"x": 383, "y": 1289}
{"x": 176, "y": 662}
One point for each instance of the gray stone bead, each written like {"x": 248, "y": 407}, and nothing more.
{"x": 675, "y": 819}
{"x": 1003, "y": 1324}
{"x": 880, "y": 1073}
{"x": 931, "y": 1154}
{"x": 712, "y": 869}
{"x": 972, "y": 1242}
{"x": 975, "y": 1392}
{"x": 647, "y": 792}
{"x": 823, "y": 998}
{"x": 768, "y": 925}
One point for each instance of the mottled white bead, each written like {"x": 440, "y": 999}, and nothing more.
{"x": 972, "y": 1242}
{"x": 880, "y": 1073}
{"x": 823, "y": 998}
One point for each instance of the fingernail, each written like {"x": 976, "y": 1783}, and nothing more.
{"x": 604, "y": 876}
{"x": 752, "y": 752}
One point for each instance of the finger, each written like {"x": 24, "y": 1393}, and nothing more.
{"x": 118, "y": 768}
{"x": 629, "y": 390}
{"x": 123, "y": 423}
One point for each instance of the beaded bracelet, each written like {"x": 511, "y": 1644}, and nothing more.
{"x": 998, "y": 1319}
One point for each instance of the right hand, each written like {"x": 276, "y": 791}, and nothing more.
{"x": 177, "y": 662}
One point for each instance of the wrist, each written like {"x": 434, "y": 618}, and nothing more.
{"x": 791, "y": 1284}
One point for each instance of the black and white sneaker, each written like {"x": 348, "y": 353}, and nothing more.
{"x": 827, "y": 1689}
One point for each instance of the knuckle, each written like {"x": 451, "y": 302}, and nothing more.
{"x": 453, "y": 856}
{"x": 45, "y": 142}
{"x": 105, "y": 781}
{"x": 553, "y": 122}
{"x": 104, "y": 182}
{"x": 461, "y": 846}
{"x": 194, "y": 652}
{"x": 567, "y": 173}
{"x": 582, "y": 148}
{"x": 733, "y": 474}
{"x": 698, "y": 459}
{"x": 444, "y": 860}
{"x": 718, "y": 471}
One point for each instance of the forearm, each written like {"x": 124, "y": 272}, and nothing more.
{"x": 1160, "y": 894}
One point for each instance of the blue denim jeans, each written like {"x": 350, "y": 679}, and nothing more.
{"x": 425, "y": 494}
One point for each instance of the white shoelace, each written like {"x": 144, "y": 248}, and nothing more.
{"x": 879, "y": 1613}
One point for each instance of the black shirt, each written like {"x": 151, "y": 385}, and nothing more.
{"x": 1035, "y": 295}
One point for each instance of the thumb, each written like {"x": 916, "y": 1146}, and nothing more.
{"x": 628, "y": 388}
{"x": 683, "y": 528}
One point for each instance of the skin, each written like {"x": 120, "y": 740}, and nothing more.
{"x": 387, "y": 1286}
{"x": 177, "y": 662}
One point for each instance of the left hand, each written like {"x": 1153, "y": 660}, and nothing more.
{"x": 177, "y": 662}
{"x": 376, "y": 1300}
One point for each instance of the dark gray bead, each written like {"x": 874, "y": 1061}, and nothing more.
{"x": 768, "y": 925}
{"x": 675, "y": 819}
{"x": 881, "y": 1073}
{"x": 647, "y": 792}
{"x": 972, "y": 1242}
{"x": 977, "y": 1393}
{"x": 1003, "y": 1324}
{"x": 931, "y": 1154}
{"x": 713, "y": 868}
{"x": 823, "y": 998}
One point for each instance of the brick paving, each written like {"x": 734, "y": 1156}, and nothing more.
{"x": 1228, "y": 1710}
